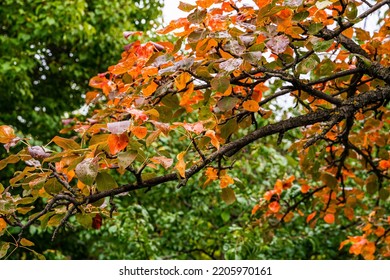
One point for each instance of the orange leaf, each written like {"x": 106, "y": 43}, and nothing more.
{"x": 255, "y": 208}
{"x": 204, "y": 3}
{"x": 150, "y": 89}
{"x": 139, "y": 131}
{"x": 6, "y": 134}
{"x": 289, "y": 217}
{"x": 311, "y": 216}
{"x": 384, "y": 164}
{"x": 182, "y": 80}
{"x": 380, "y": 231}
{"x": 251, "y": 106}
{"x": 274, "y": 207}
{"x": 329, "y": 218}
{"x": 349, "y": 213}
{"x": 225, "y": 179}
{"x": 117, "y": 143}
{"x": 181, "y": 165}
{"x": 3, "y": 224}
{"x": 348, "y": 32}
{"x": 305, "y": 188}
{"x": 211, "y": 174}
{"x": 214, "y": 139}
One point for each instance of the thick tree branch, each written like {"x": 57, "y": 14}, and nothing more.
{"x": 345, "y": 110}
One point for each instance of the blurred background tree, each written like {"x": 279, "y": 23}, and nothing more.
{"x": 50, "y": 49}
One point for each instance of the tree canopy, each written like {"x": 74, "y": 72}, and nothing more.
{"x": 49, "y": 50}
{"x": 189, "y": 111}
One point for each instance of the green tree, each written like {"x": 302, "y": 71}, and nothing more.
{"x": 50, "y": 49}
{"x": 178, "y": 118}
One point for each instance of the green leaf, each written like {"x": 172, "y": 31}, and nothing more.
{"x": 55, "y": 220}
{"x": 4, "y": 246}
{"x": 372, "y": 187}
{"x": 351, "y": 11}
{"x": 225, "y": 216}
{"x": 105, "y": 182}
{"x": 329, "y": 180}
{"x": 300, "y": 16}
{"x": 84, "y": 220}
{"x": 314, "y": 28}
{"x": 229, "y": 128}
{"x": 307, "y": 65}
{"x": 322, "y": 46}
{"x": 384, "y": 194}
{"x": 227, "y": 103}
{"x": 52, "y": 186}
{"x": 228, "y": 195}
{"x": 220, "y": 84}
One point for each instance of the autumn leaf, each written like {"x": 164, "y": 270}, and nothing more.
{"x": 150, "y": 89}
{"x": 139, "y": 131}
{"x": 118, "y": 127}
{"x": 311, "y": 216}
{"x": 214, "y": 139}
{"x": 225, "y": 179}
{"x": 228, "y": 196}
{"x": 97, "y": 221}
{"x": 274, "y": 207}
{"x": 255, "y": 209}
{"x": 278, "y": 44}
{"x": 251, "y": 106}
{"x": 6, "y": 134}
{"x": 211, "y": 175}
{"x": 329, "y": 218}
{"x": 164, "y": 161}
{"x": 181, "y": 165}
{"x": 182, "y": 80}
{"x": 117, "y": 143}
{"x": 66, "y": 144}
{"x": 25, "y": 242}
{"x": 3, "y": 224}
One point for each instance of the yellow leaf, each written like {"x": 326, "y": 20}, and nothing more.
{"x": 181, "y": 165}
{"x": 251, "y": 106}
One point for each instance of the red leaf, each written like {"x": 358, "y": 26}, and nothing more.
{"x": 97, "y": 221}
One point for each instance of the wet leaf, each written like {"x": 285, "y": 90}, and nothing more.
{"x": 228, "y": 196}
{"x": 105, "y": 182}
